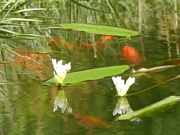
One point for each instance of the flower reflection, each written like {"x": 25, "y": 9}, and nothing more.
{"x": 122, "y": 106}
{"x": 61, "y": 102}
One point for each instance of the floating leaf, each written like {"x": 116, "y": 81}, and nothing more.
{"x": 91, "y": 74}
{"x": 152, "y": 109}
{"x": 100, "y": 29}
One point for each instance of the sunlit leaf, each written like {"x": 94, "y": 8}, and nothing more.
{"x": 152, "y": 109}
{"x": 27, "y": 10}
{"x": 100, "y": 29}
{"x": 29, "y": 36}
{"x": 10, "y": 83}
{"x": 7, "y": 24}
{"x": 21, "y": 20}
{"x": 8, "y": 32}
{"x": 91, "y": 74}
{"x": 52, "y": 27}
{"x": 37, "y": 16}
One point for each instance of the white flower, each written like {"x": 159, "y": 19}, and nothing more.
{"x": 60, "y": 70}
{"x": 122, "y": 87}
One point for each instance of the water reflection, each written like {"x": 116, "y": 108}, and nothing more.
{"x": 122, "y": 106}
{"x": 61, "y": 101}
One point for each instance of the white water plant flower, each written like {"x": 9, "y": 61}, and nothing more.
{"x": 121, "y": 86}
{"x": 60, "y": 70}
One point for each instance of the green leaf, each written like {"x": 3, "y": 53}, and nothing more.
{"x": 8, "y": 32}
{"x": 91, "y": 74}
{"x": 29, "y": 36}
{"x": 99, "y": 29}
{"x": 152, "y": 109}
{"x": 21, "y": 20}
{"x": 27, "y": 10}
{"x": 9, "y": 83}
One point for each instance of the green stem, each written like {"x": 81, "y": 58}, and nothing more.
{"x": 154, "y": 86}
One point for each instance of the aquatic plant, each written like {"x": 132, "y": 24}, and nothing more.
{"x": 60, "y": 70}
{"x": 122, "y": 87}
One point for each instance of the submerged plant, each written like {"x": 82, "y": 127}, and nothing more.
{"x": 122, "y": 87}
{"x": 60, "y": 70}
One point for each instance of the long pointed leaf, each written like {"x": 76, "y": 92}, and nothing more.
{"x": 32, "y": 9}
{"x": 91, "y": 74}
{"x": 100, "y": 29}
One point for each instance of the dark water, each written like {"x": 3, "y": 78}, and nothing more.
{"x": 26, "y": 107}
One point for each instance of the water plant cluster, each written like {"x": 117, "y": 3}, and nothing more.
{"x": 122, "y": 106}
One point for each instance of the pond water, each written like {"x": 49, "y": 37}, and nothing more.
{"x": 26, "y": 106}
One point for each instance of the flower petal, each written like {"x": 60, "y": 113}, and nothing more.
{"x": 130, "y": 81}
{"x": 58, "y": 79}
{"x": 54, "y": 63}
{"x": 122, "y": 87}
{"x": 60, "y": 70}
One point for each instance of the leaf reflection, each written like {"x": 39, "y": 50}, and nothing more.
{"x": 122, "y": 106}
{"x": 61, "y": 102}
